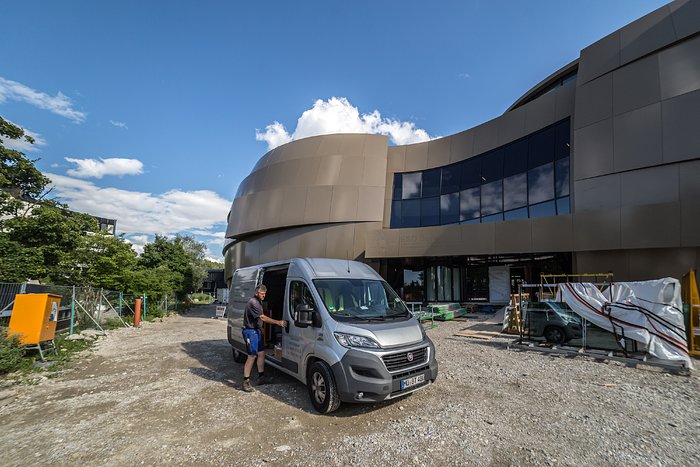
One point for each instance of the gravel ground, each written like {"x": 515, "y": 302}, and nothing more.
{"x": 167, "y": 394}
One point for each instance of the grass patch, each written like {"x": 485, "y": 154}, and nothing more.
{"x": 201, "y": 299}
{"x": 15, "y": 358}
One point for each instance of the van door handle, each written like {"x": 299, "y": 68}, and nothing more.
{"x": 286, "y": 328}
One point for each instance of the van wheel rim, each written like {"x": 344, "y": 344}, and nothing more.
{"x": 318, "y": 387}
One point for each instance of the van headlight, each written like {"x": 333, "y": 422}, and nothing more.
{"x": 351, "y": 340}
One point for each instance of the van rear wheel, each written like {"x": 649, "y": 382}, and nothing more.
{"x": 323, "y": 391}
{"x": 238, "y": 356}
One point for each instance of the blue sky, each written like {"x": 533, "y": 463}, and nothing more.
{"x": 148, "y": 111}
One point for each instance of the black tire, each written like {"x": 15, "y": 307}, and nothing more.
{"x": 323, "y": 391}
{"x": 555, "y": 335}
{"x": 238, "y": 356}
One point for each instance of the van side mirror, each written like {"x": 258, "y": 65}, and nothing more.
{"x": 304, "y": 316}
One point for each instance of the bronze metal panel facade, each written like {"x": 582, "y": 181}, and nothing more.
{"x": 597, "y": 230}
{"x": 416, "y": 156}
{"x": 652, "y": 226}
{"x": 679, "y": 68}
{"x": 629, "y": 92}
{"x": 513, "y": 236}
{"x": 594, "y": 101}
{"x": 634, "y": 109}
{"x": 550, "y": 234}
{"x": 648, "y": 33}
{"x": 593, "y": 150}
{"x": 681, "y": 120}
{"x": 637, "y": 138}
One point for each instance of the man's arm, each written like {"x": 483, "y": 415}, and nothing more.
{"x": 269, "y": 320}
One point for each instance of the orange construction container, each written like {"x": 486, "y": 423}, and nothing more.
{"x": 34, "y": 317}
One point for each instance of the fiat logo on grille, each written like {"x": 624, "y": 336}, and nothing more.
{"x": 409, "y": 356}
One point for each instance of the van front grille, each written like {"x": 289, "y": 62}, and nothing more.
{"x": 399, "y": 361}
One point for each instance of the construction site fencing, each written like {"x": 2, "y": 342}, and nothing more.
{"x": 84, "y": 308}
{"x": 539, "y": 319}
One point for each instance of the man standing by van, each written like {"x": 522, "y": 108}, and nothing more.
{"x": 253, "y": 318}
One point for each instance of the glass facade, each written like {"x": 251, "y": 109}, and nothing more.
{"x": 524, "y": 179}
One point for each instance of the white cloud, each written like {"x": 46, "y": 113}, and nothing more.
{"x": 22, "y": 144}
{"x": 138, "y": 213}
{"x": 465, "y": 75}
{"x": 60, "y": 104}
{"x": 212, "y": 238}
{"x": 99, "y": 168}
{"x": 119, "y": 124}
{"x": 137, "y": 242}
{"x": 338, "y": 115}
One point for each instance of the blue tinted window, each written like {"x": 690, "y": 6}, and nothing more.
{"x": 540, "y": 184}
{"x": 492, "y": 166}
{"x": 515, "y": 191}
{"x": 492, "y": 218}
{"x": 562, "y": 146}
{"x": 543, "y": 209}
{"x": 563, "y": 206}
{"x": 430, "y": 211}
{"x": 541, "y": 148}
{"x": 410, "y": 213}
{"x": 395, "y": 214}
{"x": 449, "y": 208}
{"x": 561, "y": 176}
{"x": 410, "y": 186}
{"x": 450, "y": 179}
{"x": 431, "y": 183}
{"x": 397, "y": 187}
{"x": 471, "y": 173}
{"x": 515, "y": 214}
{"x": 515, "y": 158}
{"x": 492, "y": 198}
{"x": 469, "y": 204}
{"x": 472, "y": 221}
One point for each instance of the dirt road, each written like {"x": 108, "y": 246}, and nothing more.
{"x": 168, "y": 393}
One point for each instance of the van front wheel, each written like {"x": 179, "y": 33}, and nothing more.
{"x": 322, "y": 389}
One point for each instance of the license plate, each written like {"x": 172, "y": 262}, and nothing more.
{"x": 409, "y": 382}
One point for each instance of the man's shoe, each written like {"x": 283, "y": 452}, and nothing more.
{"x": 247, "y": 386}
{"x": 264, "y": 379}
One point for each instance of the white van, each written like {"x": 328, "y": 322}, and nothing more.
{"x": 349, "y": 337}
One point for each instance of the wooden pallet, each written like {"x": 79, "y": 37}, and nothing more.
{"x": 477, "y": 334}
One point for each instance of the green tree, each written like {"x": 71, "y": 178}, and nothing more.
{"x": 56, "y": 233}
{"x": 171, "y": 255}
{"x": 19, "y": 178}
{"x": 105, "y": 261}
{"x": 195, "y": 252}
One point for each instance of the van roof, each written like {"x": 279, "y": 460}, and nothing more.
{"x": 337, "y": 268}
{"x": 318, "y": 268}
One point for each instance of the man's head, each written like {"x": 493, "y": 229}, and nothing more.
{"x": 260, "y": 292}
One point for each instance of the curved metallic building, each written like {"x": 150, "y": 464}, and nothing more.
{"x": 595, "y": 169}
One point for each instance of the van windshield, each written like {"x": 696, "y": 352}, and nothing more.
{"x": 363, "y": 299}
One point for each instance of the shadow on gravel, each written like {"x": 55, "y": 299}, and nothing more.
{"x": 200, "y": 311}
{"x": 216, "y": 359}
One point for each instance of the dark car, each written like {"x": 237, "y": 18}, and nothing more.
{"x": 554, "y": 321}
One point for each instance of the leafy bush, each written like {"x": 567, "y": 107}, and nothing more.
{"x": 201, "y": 298}
{"x": 11, "y": 352}
{"x": 154, "y": 312}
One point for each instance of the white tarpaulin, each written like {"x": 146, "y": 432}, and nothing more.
{"x": 499, "y": 284}
{"x": 649, "y": 312}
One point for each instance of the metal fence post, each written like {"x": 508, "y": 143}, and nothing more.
{"x": 72, "y": 311}
{"x": 121, "y": 295}
{"x": 99, "y": 310}
{"x": 144, "y": 306}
